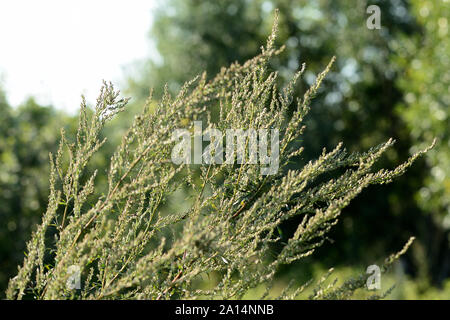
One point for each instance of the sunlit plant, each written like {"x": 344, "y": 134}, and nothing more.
{"x": 126, "y": 247}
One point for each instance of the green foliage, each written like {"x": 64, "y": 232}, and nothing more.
{"x": 386, "y": 83}
{"x": 27, "y": 133}
{"x": 127, "y": 248}
{"x": 425, "y": 109}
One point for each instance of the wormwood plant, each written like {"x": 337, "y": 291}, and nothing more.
{"x": 127, "y": 247}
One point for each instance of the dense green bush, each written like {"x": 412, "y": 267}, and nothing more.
{"x": 127, "y": 248}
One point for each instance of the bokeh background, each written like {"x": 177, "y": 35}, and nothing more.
{"x": 391, "y": 82}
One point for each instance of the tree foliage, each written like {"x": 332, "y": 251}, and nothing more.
{"x": 425, "y": 108}
{"x": 28, "y": 133}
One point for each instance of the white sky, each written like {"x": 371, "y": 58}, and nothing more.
{"x": 56, "y": 50}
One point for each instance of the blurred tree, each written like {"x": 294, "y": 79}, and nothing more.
{"x": 359, "y": 96}
{"x": 27, "y": 134}
{"x": 425, "y": 59}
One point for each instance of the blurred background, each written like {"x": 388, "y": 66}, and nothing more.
{"x": 387, "y": 82}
